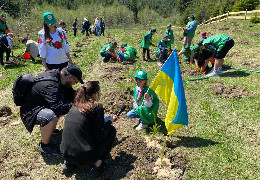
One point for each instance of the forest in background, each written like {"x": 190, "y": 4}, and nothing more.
{"x": 120, "y": 13}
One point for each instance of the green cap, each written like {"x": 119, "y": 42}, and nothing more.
{"x": 49, "y": 18}
{"x": 200, "y": 42}
{"x": 3, "y": 15}
{"x": 153, "y": 30}
{"x": 192, "y": 16}
{"x": 187, "y": 47}
{"x": 141, "y": 74}
{"x": 114, "y": 43}
{"x": 124, "y": 44}
{"x": 169, "y": 25}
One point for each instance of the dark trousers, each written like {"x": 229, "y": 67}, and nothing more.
{"x": 75, "y": 32}
{"x": 102, "y": 31}
{"x": 99, "y": 152}
{"x": 106, "y": 55}
{"x": 7, "y": 52}
{"x": 148, "y": 53}
{"x": 162, "y": 56}
{"x": 57, "y": 66}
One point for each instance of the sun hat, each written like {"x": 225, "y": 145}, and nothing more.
{"x": 141, "y": 74}
{"x": 49, "y": 18}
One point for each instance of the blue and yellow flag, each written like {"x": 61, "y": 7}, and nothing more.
{"x": 169, "y": 87}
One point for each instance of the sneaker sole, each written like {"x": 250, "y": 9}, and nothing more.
{"x": 42, "y": 151}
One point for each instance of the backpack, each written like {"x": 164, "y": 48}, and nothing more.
{"x": 23, "y": 85}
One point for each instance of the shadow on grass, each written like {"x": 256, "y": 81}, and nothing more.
{"x": 235, "y": 74}
{"x": 14, "y": 65}
{"x": 115, "y": 169}
{"x": 194, "y": 142}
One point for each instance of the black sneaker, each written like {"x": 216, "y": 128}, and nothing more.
{"x": 52, "y": 150}
{"x": 56, "y": 131}
{"x": 95, "y": 171}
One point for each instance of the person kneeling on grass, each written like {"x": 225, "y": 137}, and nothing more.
{"x": 219, "y": 45}
{"x": 128, "y": 53}
{"x": 108, "y": 51}
{"x": 145, "y": 104}
{"x": 163, "y": 50}
{"x": 88, "y": 134}
{"x": 31, "y": 48}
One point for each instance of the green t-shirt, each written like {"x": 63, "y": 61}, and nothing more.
{"x": 105, "y": 47}
{"x": 218, "y": 41}
{"x": 130, "y": 52}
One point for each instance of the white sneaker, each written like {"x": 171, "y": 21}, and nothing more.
{"x": 214, "y": 73}
{"x": 141, "y": 126}
{"x": 219, "y": 71}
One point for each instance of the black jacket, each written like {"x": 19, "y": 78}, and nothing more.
{"x": 81, "y": 132}
{"x": 46, "y": 94}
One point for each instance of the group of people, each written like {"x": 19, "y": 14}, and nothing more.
{"x": 98, "y": 28}
{"x": 88, "y": 133}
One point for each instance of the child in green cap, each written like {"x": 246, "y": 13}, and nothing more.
{"x": 146, "y": 102}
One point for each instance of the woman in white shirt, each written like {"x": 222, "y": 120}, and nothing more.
{"x": 53, "y": 45}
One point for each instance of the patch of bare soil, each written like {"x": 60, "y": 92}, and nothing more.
{"x": 134, "y": 155}
{"x": 256, "y": 34}
{"x": 178, "y": 38}
{"x": 223, "y": 28}
{"x": 253, "y": 64}
{"x": 244, "y": 43}
{"x": 229, "y": 91}
{"x": 5, "y": 112}
{"x": 78, "y": 44}
{"x": 190, "y": 72}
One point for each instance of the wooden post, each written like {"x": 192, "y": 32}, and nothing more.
{"x": 27, "y": 35}
{"x": 227, "y": 15}
{"x": 245, "y": 14}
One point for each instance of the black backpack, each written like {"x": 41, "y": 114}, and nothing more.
{"x": 23, "y": 85}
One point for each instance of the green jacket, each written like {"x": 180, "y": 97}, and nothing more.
{"x": 3, "y": 27}
{"x": 130, "y": 52}
{"x": 170, "y": 36}
{"x": 105, "y": 47}
{"x": 191, "y": 28}
{"x": 162, "y": 46}
{"x": 187, "y": 54}
{"x": 218, "y": 41}
{"x": 147, "y": 114}
{"x": 147, "y": 37}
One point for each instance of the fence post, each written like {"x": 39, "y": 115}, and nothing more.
{"x": 227, "y": 15}
{"x": 245, "y": 14}
{"x": 27, "y": 35}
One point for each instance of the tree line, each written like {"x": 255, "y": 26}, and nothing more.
{"x": 126, "y": 12}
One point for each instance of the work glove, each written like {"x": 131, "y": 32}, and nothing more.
{"x": 197, "y": 68}
{"x": 147, "y": 42}
{"x": 153, "y": 45}
{"x": 169, "y": 51}
{"x": 112, "y": 54}
{"x": 203, "y": 69}
{"x": 184, "y": 28}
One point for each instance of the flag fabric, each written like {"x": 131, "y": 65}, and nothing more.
{"x": 168, "y": 86}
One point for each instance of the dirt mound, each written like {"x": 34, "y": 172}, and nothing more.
{"x": 253, "y": 64}
{"x": 228, "y": 91}
{"x": 256, "y": 34}
{"x": 136, "y": 152}
{"x": 244, "y": 43}
{"x": 5, "y": 111}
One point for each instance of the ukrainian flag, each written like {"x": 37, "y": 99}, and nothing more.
{"x": 169, "y": 87}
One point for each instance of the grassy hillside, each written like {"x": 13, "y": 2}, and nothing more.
{"x": 221, "y": 141}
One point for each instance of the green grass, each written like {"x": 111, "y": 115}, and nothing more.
{"x": 222, "y": 139}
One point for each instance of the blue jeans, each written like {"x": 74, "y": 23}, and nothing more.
{"x": 97, "y": 31}
{"x": 106, "y": 55}
{"x": 121, "y": 56}
{"x": 131, "y": 114}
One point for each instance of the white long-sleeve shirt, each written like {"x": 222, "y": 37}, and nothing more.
{"x": 148, "y": 103}
{"x": 55, "y": 50}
